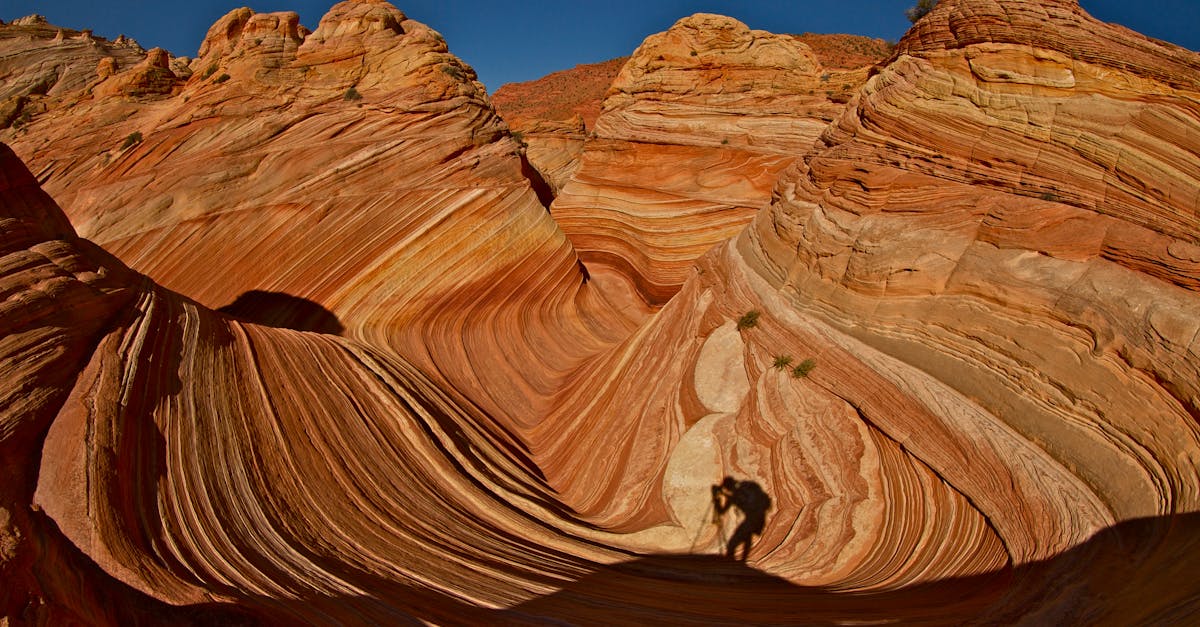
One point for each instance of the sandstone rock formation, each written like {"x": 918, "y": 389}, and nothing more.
{"x": 693, "y": 134}
{"x": 989, "y": 257}
{"x": 39, "y": 62}
{"x": 559, "y": 96}
{"x": 553, "y": 115}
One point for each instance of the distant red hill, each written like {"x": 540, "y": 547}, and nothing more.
{"x": 846, "y": 52}
{"x": 560, "y": 95}
{"x": 580, "y": 90}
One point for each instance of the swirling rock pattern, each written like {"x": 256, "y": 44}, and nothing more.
{"x": 694, "y": 131}
{"x": 1000, "y": 423}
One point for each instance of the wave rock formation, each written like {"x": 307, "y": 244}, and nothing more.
{"x": 303, "y": 343}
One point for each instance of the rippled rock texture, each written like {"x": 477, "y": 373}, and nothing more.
{"x": 328, "y": 359}
{"x": 693, "y": 134}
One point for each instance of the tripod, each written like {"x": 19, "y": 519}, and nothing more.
{"x": 715, "y": 518}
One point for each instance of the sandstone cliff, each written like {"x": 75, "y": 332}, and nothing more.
{"x": 989, "y": 257}
{"x": 553, "y": 115}
{"x": 694, "y": 131}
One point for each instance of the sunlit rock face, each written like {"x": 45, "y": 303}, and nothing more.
{"x": 1003, "y": 226}
{"x": 40, "y": 63}
{"x": 693, "y": 133}
{"x": 957, "y": 349}
{"x": 283, "y": 143}
{"x": 359, "y": 166}
{"x": 553, "y": 115}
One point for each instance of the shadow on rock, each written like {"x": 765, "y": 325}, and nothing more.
{"x": 1140, "y": 572}
{"x": 1143, "y": 571}
{"x": 276, "y": 309}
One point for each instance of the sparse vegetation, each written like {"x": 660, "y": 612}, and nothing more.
{"x": 694, "y": 53}
{"x": 133, "y": 139}
{"x": 725, "y": 142}
{"x": 221, "y": 79}
{"x": 22, "y": 119}
{"x": 915, "y": 13}
{"x": 1050, "y": 197}
{"x": 804, "y": 368}
{"x": 212, "y": 69}
{"x": 749, "y": 320}
{"x": 520, "y": 137}
{"x": 452, "y": 71}
{"x": 782, "y": 362}
{"x": 352, "y": 94}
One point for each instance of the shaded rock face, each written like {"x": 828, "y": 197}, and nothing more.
{"x": 693, "y": 133}
{"x": 996, "y": 422}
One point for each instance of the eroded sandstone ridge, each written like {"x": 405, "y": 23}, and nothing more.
{"x": 304, "y": 345}
{"x": 694, "y": 131}
{"x": 553, "y": 115}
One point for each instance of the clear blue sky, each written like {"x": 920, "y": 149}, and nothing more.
{"x": 519, "y": 41}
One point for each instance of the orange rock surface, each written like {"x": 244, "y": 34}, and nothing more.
{"x": 553, "y": 115}
{"x": 694, "y": 131}
{"x": 311, "y": 349}
{"x": 845, "y": 52}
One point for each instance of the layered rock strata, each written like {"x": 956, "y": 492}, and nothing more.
{"x": 552, "y": 116}
{"x": 957, "y": 351}
{"x": 1009, "y": 209}
{"x": 40, "y": 64}
{"x": 695, "y": 129}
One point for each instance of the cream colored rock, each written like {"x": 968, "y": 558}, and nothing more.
{"x": 720, "y": 379}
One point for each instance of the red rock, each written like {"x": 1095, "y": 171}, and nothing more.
{"x": 694, "y": 132}
{"x": 990, "y": 259}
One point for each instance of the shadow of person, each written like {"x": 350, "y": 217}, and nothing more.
{"x": 277, "y": 309}
{"x": 752, "y": 501}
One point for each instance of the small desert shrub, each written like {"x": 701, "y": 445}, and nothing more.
{"x": 804, "y": 368}
{"x": 915, "y": 13}
{"x": 133, "y": 138}
{"x": 1050, "y": 197}
{"x": 352, "y": 94}
{"x": 781, "y": 362}
{"x": 221, "y": 79}
{"x": 452, "y": 71}
{"x": 520, "y": 137}
{"x": 212, "y": 69}
{"x": 748, "y": 320}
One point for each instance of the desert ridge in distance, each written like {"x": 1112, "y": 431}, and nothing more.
{"x": 300, "y": 331}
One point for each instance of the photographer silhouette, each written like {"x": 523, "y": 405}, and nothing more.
{"x": 753, "y": 502}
